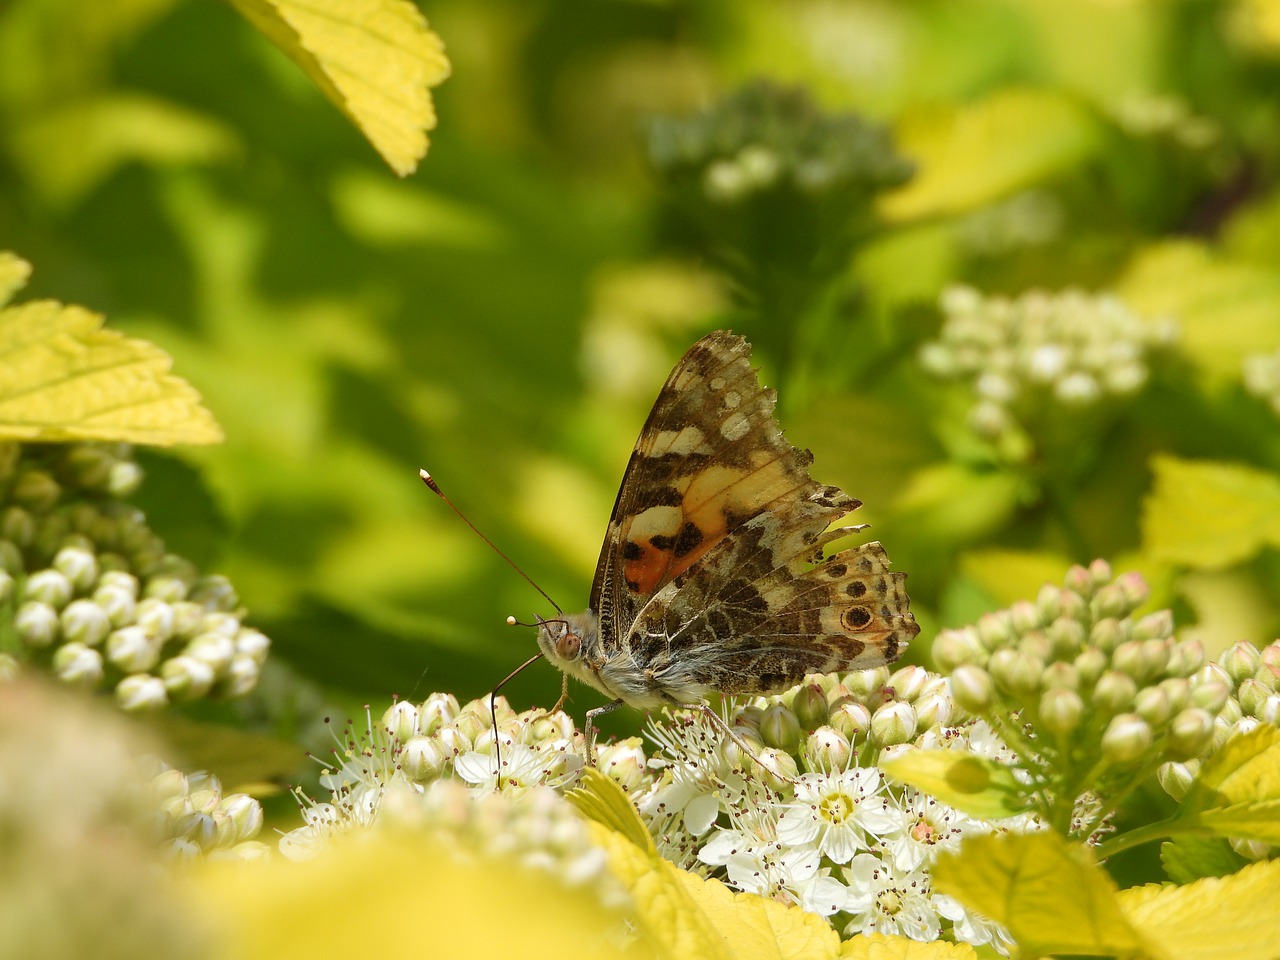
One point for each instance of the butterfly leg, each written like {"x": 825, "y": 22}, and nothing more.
{"x": 746, "y": 748}
{"x": 564, "y": 693}
{"x": 591, "y": 730}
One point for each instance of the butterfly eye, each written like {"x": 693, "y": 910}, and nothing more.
{"x": 568, "y": 646}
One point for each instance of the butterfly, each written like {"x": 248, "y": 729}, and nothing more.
{"x": 713, "y": 576}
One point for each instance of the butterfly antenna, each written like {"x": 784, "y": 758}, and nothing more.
{"x": 434, "y": 488}
{"x": 493, "y": 712}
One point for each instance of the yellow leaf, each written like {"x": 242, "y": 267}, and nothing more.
{"x": 879, "y": 946}
{"x": 14, "y": 273}
{"x": 62, "y": 377}
{"x": 1225, "y": 310}
{"x": 1050, "y": 895}
{"x": 1238, "y": 791}
{"x": 1010, "y": 575}
{"x": 973, "y": 154}
{"x": 1208, "y": 515}
{"x": 975, "y": 785}
{"x": 1233, "y": 916}
{"x": 376, "y": 60}
{"x": 385, "y": 894}
{"x": 603, "y": 801}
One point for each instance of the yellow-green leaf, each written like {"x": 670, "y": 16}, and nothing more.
{"x": 1233, "y": 916}
{"x": 376, "y": 60}
{"x": 1190, "y": 857}
{"x": 975, "y": 785}
{"x": 1225, "y": 310}
{"x": 1208, "y": 515}
{"x": 1050, "y": 895}
{"x": 601, "y": 799}
{"x": 62, "y": 377}
{"x": 1238, "y": 791}
{"x": 1010, "y": 575}
{"x": 973, "y": 154}
{"x": 879, "y": 946}
{"x": 14, "y": 273}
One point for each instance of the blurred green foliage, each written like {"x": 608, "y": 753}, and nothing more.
{"x": 505, "y": 316}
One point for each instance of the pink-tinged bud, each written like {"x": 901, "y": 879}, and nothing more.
{"x": 852, "y": 720}
{"x": 1061, "y": 710}
{"x": 1177, "y": 778}
{"x": 1135, "y": 589}
{"x": 1090, "y": 665}
{"x": 141, "y": 692}
{"x": 894, "y": 722}
{"x": 1024, "y": 616}
{"x": 424, "y": 758}
{"x": 973, "y": 689}
{"x": 400, "y": 720}
{"x": 827, "y": 749}
{"x": 1115, "y": 692}
{"x": 1079, "y": 581}
{"x": 1049, "y": 603}
{"x": 909, "y": 681}
{"x": 810, "y": 705}
{"x": 780, "y": 728}
{"x": 186, "y": 678}
{"x": 1271, "y": 655}
{"x": 1126, "y": 739}
{"x": 1241, "y": 661}
{"x": 1153, "y": 706}
{"x": 1251, "y": 696}
{"x": 1154, "y": 626}
{"x": 77, "y": 664}
{"x": 1190, "y": 734}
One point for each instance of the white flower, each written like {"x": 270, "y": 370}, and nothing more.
{"x": 837, "y": 812}
{"x": 883, "y": 899}
{"x": 923, "y": 828}
{"x": 522, "y": 767}
{"x": 972, "y": 928}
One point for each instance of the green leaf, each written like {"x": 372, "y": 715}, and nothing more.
{"x": 376, "y": 60}
{"x": 1234, "y": 916}
{"x": 974, "y": 785}
{"x": 1190, "y": 858}
{"x": 1225, "y": 310}
{"x": 879, "y": 946}
{"x": 1238, "y": 791}
{"x": 1010, "y": 575}
{"x": 973, "y": 154}
{"x": 1208, "y": 515}
{"x": 1050, "y": 895}
{"x": 62, "y": 377}
{"x": 14, "y": 273}
{"x": 603, "y": 801}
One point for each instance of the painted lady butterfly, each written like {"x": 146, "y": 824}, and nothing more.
{"x": 712, "y": 577}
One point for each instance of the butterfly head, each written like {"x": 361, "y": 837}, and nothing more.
{"x": 565, "y": 639}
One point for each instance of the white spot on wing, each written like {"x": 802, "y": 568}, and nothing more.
{"x": 736, "y": 427}
{"x": 684, "y": 442}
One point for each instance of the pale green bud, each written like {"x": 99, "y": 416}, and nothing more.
{"x": 244, "y": 814}
{"x": 827, "y": 749}
{"x": 187, "y": 618}
{"x": 1090, "y": 665}
{"x": 1241, "y": 661}
{"x": 951, "y": 648}
{"x": 141, "y": 692}
{"x": 225, "y": 624}
{"x": 1110, "y": 601}
{"x": 1060, "y": 676}
{"x": 124, "y": 479}
{"x": 1074, "y": 607}
{"x": 972, "y": 689}
{"x": 166, "y": 588}
{"x": 1115, "y": 692}
{"x": 119, "y": 580}
{"x": 1036, "y": 643}
{"x": 1015, "y": 672}
{"x": 1061, "y": 710}
{"x": 933, "y": 708}
{"x": 724, "y": 182}
{"x": 18, "y": 526}
{"x": 1108, "y": 634}
{"x": 1049, "y": 603}
{"x": 48, "y": 586}
{"x": 401, "y": 720}
{"x": 35, "y": 489}
{"x": 1211, "y": 688}
{"x": 895, "y": 722}
{"x": 1178, "y": 692}
{"x": 36, "y": 623}
{"x": 1126, "y": 739}
{"x": 1024, "y": 616}
{"x": 7, "y": 587}
{"x": 1135, "y": 589}
{"x": 1186, "y": 657}
{"x": 810, "y": 705}
{"x": 252, "y": 644}
{"x": 169, "y": 784}
{"x": 215, "y": 649}
{"x": 995, "y": 630}
{"x": 116, "y": 603}
{"x": 1066, "y": 637}
{"x": 864, "y": 684}
{"x": 852, "y": 720}
{"x": 156, "y": 617}
{"x": 89, "y": 465}
{"x": 473, "y": 726}
{"x": 240, "y": 677}
{"x": 1154, "y": 626}
{"x": 132, "y": 649}
{"x": 216, "y": 592}
{"x": 1153, "y": 706}
{"x": 780, "y": 728}
{"x": 186, "y": 678}
{"x": 83, "y": 621}
{"x": 539, "y": 727}
{"x": 1155, "y": 656}
{"x": 1129, "y": 659}
{"x": 1190, "y": 734}
{"x": 909, "y": 682}
{"x": 1079, "y": 581}
{"x": 1252, "y": 695}
{"x": 780, "y": 767}
{"x": 77, "y": 664}
{"x": 11, "y": 558}
{"x": 1177, "y": 778}
{"x": 1231, "y": 712}
{"x": 78, "y": 565}
{"x": 733, "y": 749}
{"x": 437, "y": 710}
{"x": 424, "y": 759}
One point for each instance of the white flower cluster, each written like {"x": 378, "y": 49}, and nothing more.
{"x": 195, "y": 818}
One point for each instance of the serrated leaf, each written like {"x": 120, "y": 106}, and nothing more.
{"x": 1051, "y": 896}
{"x": 63, "y": 377}
{"x": 1190, "y": 858}
{"x": 1225, "y": 310}
{"x": 1238, "y": 791}
{"x": 602, "y": 800}
{"x": 14, "y": 273}
{"x": 376, "y": 60}
{"x": 1207, "y": 514}
{"x": 975, "y": 153}
{"x": 1233, "y": 916}
{"x": 974, "y": 785}
{"x": 879, "y": 946}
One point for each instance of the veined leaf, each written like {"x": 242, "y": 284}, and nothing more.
{"x": 376, "y": 60}
{"x": 62, "y": 377}
{"x": 1190, "y": 858}
{"x": 603, "y": 801}
{"x": 974, "y": 785}
{"x": 1050, "y": 895}
{"x": 879, "y": 946}
{"x": 1208, "y": 515}
{"x": 1238, "y": 791}
{"x": 1233, "y": 916}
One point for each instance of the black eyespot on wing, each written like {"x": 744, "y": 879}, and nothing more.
{"x": 687, "y": 539}
{"x": 632, "y": 550}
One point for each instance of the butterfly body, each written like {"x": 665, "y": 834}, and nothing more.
{"x": 713, "y": 575}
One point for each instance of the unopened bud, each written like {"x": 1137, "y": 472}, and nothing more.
{"x": 186, "y": 678}
{"x": 933, "y": 708}
{"x": 1024, "y": 616}
{"x": 1016, "y": 673}
{"x": 1154, "y": 626}
{"x": 215, "y": 592}
{"x": 48, "y": 586}
{"x": 972, "y": 689}
{"x": 1190, "y": 733}
{"x": 951, "y": 648}
{"x": 437, "y": 710}
{"x": 132, "y": 649}
{"x": 865, "y": 684}
{"x": 124, "y": 479}
{"x": 156, "y": 617}
{"x": 1178, "y": 691}
{"x": 74, "y": 663}
{"x": 1109, "y": 602}
{"x": 215, "y": 649}
{"x": 400, "y": 720}
{"x": 118, "y": 604}
{"x": 1049, "y": 603}
{"x": 909, "y": 682}
{"x": 623, "y": 763}
{"x": 1252, "y": 695}
{"x": 1067, "y": 637}
{"x": 995, "y": 630}
{"x": 141, "y": 692}
{"x": 1090, "y": 665}
{"x": 827, "y": 749}
{"x": 17, "y": 526}
{"x": 810, "y": 705}
{"x": 1185, "y": 658}
{"x": 1241, "y": 661}
{"x": 1061, "y": 710}
{"x": 1115, "y": 692}
{"x": 1060, "y": 676}
{"x": 1177, "y": 778}
{"x": 1153, "y": 706}
{"x": 780, "y": 728}
{"x": 1135, "y": 589}
{"x": 852, "y": 720}
{"x": 83, "y": 621}
{"x": 1079, "y": 581}
{"x": 1126, "y": 739}
{"x": 226, "y": 624}
{"x": 1036, "y": 643}
{"x": 36, "y": 623}
{"x": 35, "y": 489}
{"x": 895, "y": 722}
{"x": 245, "y": 815}
{"x": 252, "y": 644}
{"x": 78, "y": 565}
{"x": 1109, "y": 634}
{"x": 424, "y": 758}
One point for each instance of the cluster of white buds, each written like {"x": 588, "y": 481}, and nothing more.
{"x": 194, "y": 818}
{"x": 1261, "y": 376}
{"x": 1040, "y": 357}
{"x": 1032, "y": 218}
{"x": 1158, "y": 115}
{"x": 95, "y": 598}
{"x": 1077, "y": 684}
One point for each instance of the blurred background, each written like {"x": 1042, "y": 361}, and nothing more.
{"x": 608, "y": 182}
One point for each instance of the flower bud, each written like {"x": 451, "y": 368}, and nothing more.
{"x": 424, "y": 758}
{"x": 1024, "y": 616}
{"x": 17, "y": 526}
{"x": 1190, "y": 733}
{"x": 187, "y": 618}
{"x": 215, "y": 592}
{"x": 240, "y": 677}
{"x": 1185, "y": 658}
{"x": 934, "y": 708}
{"x": 1108, "y": 634}
{"x": 1036, "y": 643}
{"x": 895, "y": 722}
{"x": 623, "y": 763}
{"x": 951, "y": 648}
{"x": 1126, "y": 739}
{"x": 36, "y": 623}
{"x": 437, "y": 710}
{"x": 1154, "y": 626}
{"x": 186, "y": 678}
{"x": 215, "y": 649}
{"x": 244, "y": 814}
{"x": 48, "y": 586}
{"x": 452, "y": 741}
{"x": 1079, "y": 581}
{"x": 224, "y": 624}
{"x": 972, "y": 689}
{"x": 909, "y": 682}
{"x": 89, "y": 465}
{"x": 400, "y": 720}
{"x": 1135, "y": 590}
{"x": 1059, "y": 676}
{"x": 1129, "y": 659}
{"x": 166, "y": 588}
{"x": 252, "y": 644}
{"x": 1049, "y": 603}
{"x": 1067, "y": 637}
{"x": 1109, "y": 602}
{"x": 141, "y": 692}
{"x": 116, "y": 603}
{"x": 156, "y": 617}
{"x": 1090, "y": 665}
{"x": 1177, "y": 778}
{"x": 1115, "y": 692}
{"x": 77, "y": 664}
{"x": 1269, "y": 711}
{"x": 1178, "y": 691}
{"x": 865, "y": 684}
{"x": 1015, "y": 672}
{"x": 1152, "y": 704}
{"x": 1061, "y": 710}
{"x": 1210, "y": 693}
{"x": 810, "y": 705}
{"x": 78, "y": 565}
{"x": 11, "y": 558}
{"x": 123, "y": 479}
{"x": 780, "y": 728}
{"x": 83, "y": 621}
{"x": 827, "y": 749}
{"x": 35, "y": 489}
{"x": 995, "y": 630}
{"x": 473, "y": 726}
{"x": 132, "y": 649}
{"x": 1241, "y": 661}
{"x": 1251, "y": 696}
{"x": 852, "y": 720}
